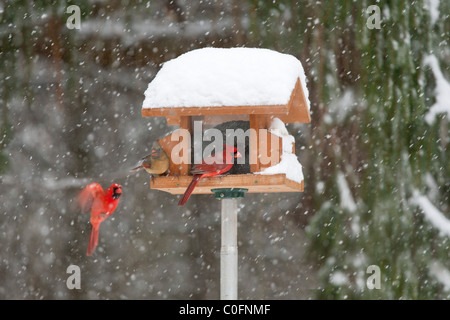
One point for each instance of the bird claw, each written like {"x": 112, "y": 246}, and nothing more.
{"x": 173, "y": 174}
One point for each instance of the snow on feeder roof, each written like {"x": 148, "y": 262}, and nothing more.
{"x": 230, "y": 81}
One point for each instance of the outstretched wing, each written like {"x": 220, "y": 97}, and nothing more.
{"x": 88, "y": 195}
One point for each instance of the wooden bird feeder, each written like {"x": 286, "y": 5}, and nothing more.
{"x": 248, "y": 95}
{"x": 180, "y": 93}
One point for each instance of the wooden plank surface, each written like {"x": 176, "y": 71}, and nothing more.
{"x": 255, "y": 183}
{"x": 298, "y": 109}
{"x": 220, "y": 110}
{"x": 168, "y": 145}
{"x": 270, "y": 149}
{"x": 256, "y": 122}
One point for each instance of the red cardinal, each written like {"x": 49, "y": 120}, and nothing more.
{"x": 211, "y": 166}
{"x": 102, "y": 204}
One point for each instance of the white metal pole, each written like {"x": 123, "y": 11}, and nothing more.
{"x": 229, "y": 251}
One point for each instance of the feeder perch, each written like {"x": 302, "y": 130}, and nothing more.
{"x": 242, "y": 88}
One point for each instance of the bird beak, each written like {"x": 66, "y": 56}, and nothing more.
{"x": 237, "y": 155}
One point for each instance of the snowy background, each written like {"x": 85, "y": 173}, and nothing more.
{"x": 375, "y": 156}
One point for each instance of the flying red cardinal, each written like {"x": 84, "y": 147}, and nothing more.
{"x": 102, "y": 204}
{"x": 211, "y": 166}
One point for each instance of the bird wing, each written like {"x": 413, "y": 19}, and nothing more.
{"x": 220, "y": 163}
{"x": 88, "y": 195}
{"x": 203, "y": 168}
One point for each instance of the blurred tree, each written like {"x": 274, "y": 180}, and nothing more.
{"x": 368, "y": 217}
{"x": 370, "y": 146}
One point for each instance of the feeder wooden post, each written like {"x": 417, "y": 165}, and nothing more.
{"x": 229, "y": 248}
{"x": 229, "y": 251}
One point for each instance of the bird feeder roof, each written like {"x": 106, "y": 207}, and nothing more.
{"x": 234, "y": 81}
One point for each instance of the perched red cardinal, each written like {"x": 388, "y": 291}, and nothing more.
{"x": 102, "y": 204}
{"x": 211, "y": 166}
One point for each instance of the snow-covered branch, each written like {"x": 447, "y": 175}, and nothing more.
{"x": 442, "y": 104}
{"x": 346, "y": 198}
{"x": 432, "y": 214}
{"x": 442, "y": 274}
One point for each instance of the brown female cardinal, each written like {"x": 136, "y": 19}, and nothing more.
{"x": 101, "y": 204}
{"x": 155, "y": 163}
{"x": 211, "y": 166}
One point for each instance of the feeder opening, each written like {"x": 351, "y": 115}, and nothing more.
{"x": 233, "y": 130}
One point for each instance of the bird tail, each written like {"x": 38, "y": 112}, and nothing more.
{"x": 189, "y": 190}
{"x": 93, "y": 240}
{"x": 137, "y": 168}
